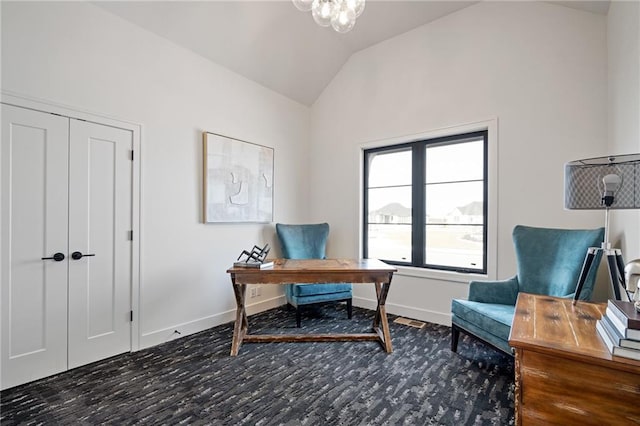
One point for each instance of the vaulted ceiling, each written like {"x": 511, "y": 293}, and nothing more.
{"x": 274, "y": 44}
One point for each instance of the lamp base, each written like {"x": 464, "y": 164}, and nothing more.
{"x": 616, "y": 271}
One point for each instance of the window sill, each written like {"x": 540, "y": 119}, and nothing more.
{"x": 452, "y": 276}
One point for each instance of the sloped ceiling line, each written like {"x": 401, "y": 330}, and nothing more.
{"x": 275, "y": 45}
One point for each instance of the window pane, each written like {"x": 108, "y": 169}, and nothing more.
{"x": 440, "y": 222}
{"x": 455, "y": 203}
{"x": 455, "y": 162}
{"x": 390, "y": 205}
{"x": 454, "y": 246}
{"x": 390, "y": 242}
{"x": 390, "y": 169}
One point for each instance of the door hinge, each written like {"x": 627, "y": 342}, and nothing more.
{"x": 130, "y": 236}
{"x": 131, "y": 316}
{"x": 131, "y": 155}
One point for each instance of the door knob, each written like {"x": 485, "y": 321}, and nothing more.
{"x": 76, "y": 255}
{"x": 58, "y": 257}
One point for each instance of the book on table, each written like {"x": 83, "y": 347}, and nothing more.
{"x": 617, "y": 338}
{"x": 625, "y": 332}
{"x": 626, "y": 313}
{"x": 257, "y": 265}
{"x": 616, "y": 350}
{"x": 617, "y": 333}
{"x": 604, "y": 335}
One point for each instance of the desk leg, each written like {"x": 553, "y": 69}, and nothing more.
{"x": 376, "y": 318}
{"x": 380, "y": 318}
{"x": 242, "y": 324}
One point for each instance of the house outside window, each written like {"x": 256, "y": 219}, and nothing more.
{"x": 425, "y": 203}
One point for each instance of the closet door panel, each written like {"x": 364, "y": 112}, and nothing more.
{"x": 34, "y": 173}
{"x": 100, "y": 219}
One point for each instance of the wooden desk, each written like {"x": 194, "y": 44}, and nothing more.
{"x": 564, "y": 373}
{"x": 287, "y": 271}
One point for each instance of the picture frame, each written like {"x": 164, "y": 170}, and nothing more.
{"x": 238, "y": 180}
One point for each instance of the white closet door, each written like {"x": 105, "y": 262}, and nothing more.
{"x": 100, "y": 180}
{"x": 34, "y": 169}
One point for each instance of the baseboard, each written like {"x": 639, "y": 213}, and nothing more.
{"x": 181, "y": 330}
{"x": 263, "y": 305}
{"x": 164, "y": 335}
{"x": 406, "y": 311}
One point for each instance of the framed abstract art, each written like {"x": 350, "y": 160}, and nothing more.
{"x": 238, "y": 180}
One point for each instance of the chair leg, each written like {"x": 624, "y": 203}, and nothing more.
{"x": 298, "y": 317}
{"x": 349, "y": 309}
{"x": 455, "y": 335}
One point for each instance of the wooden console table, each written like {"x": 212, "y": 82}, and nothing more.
{"x": 564, "y": 373}
{"x": 288, "y": 271}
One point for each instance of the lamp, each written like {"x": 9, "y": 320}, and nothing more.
{"x": 607, "y": 183}
{"x": 340, "y": 14}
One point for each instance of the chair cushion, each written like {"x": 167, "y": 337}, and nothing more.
{"x": 302, "y": 290}
{"x": 491, "y": 317}
{"x": 469, "y": 328}
{"x": 320, "y": 298}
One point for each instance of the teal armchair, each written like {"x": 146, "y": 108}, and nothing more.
{"x": 549, "y": 262}
{"x": 309, "y": 242}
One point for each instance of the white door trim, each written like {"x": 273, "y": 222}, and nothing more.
{"x": 22, "y": 101}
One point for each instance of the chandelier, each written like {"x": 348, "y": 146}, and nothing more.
{"x": 340, "y": 14}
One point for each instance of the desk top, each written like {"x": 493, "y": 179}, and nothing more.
{"x": 554, "y": 325}
{"x": 320, "y": 265}
{"x": 316, "y": 270}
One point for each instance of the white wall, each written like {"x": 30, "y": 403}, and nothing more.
{"x": 623, "y": 42}
{"x": 540, "y": 69}
{"x": 81, "y": 56}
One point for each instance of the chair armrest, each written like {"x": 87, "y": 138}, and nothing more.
{"x": 503, "y": 292}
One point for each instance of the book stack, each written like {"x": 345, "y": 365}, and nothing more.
{"x": 619, "y": 328}
{"x": 254, "y": 264}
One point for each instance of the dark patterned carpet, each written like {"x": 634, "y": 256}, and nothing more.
{"x": 193, "y": 380}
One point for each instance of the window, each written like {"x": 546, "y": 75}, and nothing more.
{"x": 425, "y": 203}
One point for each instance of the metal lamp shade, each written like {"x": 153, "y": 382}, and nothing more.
{"x": 583, "y": 186}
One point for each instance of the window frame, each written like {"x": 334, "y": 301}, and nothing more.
{"x": 419, "y": 148}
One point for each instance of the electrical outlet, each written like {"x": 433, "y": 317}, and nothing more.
{"x": 258, "y": 291}
{"x": 253, "y": 292}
